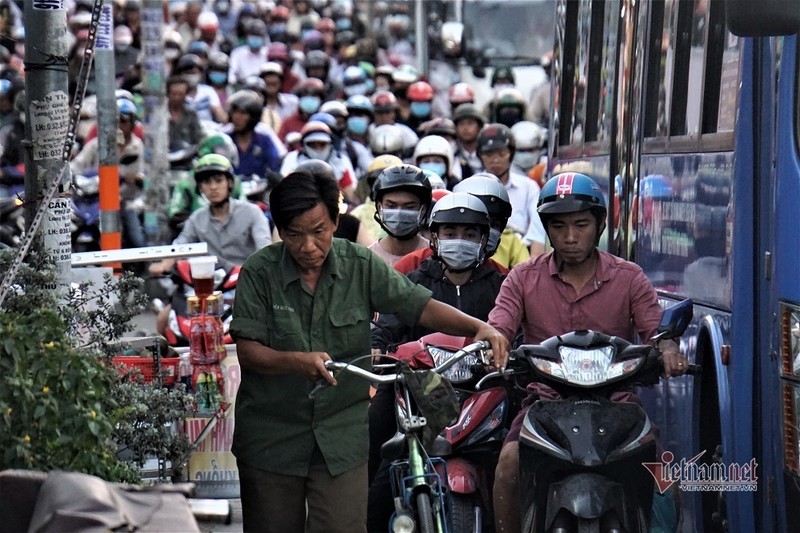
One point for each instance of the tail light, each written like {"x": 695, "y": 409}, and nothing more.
{"x": 790, "y": 378}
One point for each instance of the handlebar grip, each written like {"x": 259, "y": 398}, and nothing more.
{"x": 694, "y": 370}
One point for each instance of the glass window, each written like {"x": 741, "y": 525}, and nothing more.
{"x": 729, "y": 83}
{"x": 608, "y": 71}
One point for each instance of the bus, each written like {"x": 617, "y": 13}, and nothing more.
{"x": 686, "y": 113}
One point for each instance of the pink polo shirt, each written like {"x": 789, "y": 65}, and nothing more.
{"x": 620, "y": 301}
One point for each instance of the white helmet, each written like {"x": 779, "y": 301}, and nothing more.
{"x": 386, "y": 139}
{"x": 529, "y": 135}
{"x": 434, "y": 145}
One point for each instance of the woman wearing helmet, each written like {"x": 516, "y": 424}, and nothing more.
{"x": 435, "y": 153}
{"x": 585, "y": 289}
{"x": 201, "y": 97}
{"x": 420, "y": 102}
{"x": 402, "y": 195}
{"x": 316, "y": 144}
{"x": 455, "y": 274}
{"x": 247, "y": 58}
{"x": 529, "y": 158}
{"x": 310, "y": 94}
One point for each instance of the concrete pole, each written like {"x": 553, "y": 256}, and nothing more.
{"x": 47, "y": 127}
{"x": 421, "y": 44}
{"x": 156, "y": 125}
{"x": 108, "y": 172}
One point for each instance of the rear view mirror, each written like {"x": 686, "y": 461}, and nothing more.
{"x": 675, "y": 319}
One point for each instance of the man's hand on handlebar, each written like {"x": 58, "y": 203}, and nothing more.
{"x": 312, "y": 366}
{"x": 675, "y": 363}
{"x": 499, "y": 355}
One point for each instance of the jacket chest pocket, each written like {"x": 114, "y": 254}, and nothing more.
{"x": 352, "y": 325}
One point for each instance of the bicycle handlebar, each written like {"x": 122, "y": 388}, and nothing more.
{"x": 475, "y": 347}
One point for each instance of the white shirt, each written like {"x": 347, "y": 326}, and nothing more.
{"x": 524, "y": 194}
{"x": 203, "y": 101}
{"x": 244, "y": 62}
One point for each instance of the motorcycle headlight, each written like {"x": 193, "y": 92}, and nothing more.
{"x": 587, "y": 367}
{"x": 458, "y": 373}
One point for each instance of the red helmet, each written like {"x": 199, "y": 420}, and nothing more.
{"x": 383, "y": 100}
{"x": 420, "y": 91}
{"x": 310, "y": 87}
{"x": 277, "y": 51}
{"x": 325, "y": 24}
{"x": 461, "y": 93}
{"x": 280, "y": 13}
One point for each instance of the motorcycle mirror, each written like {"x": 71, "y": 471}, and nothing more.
{"x": 675, "y": 319}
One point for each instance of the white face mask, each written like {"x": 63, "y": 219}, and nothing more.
{"x": 459, "y": 254}
{"x": 526, "y": 160}
{"x": 322, "y": 155}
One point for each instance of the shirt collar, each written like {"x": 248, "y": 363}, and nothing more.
{"x": 332, "y": 267}
{"x": 603, "y": 271}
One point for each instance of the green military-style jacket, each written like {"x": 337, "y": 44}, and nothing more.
{"x": 277, "y": 423}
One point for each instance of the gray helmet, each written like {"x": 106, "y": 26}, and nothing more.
{"x": 487, "y": 188}
{"x": 460, "y": 208}
{"x": 403, "y": 178}
{"x": 386, "y": 139}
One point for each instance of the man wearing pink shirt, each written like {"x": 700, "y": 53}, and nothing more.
{"x": 574, "y": 287}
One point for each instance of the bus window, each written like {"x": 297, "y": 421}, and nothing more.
{"x": 729, "y": 84}
{"x": 602, "y": 55}
{"x": 581, "y": 73}
{"x": 564, "y": 68}
{"x": 693, "y": 18}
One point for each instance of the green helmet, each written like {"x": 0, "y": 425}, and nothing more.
{"x": 210, "y": 165}
{"x": 219, "y": 143}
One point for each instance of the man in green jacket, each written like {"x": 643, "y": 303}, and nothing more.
{"x": 299, "y": 303}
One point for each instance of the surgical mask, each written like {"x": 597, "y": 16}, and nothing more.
{"x": 526, "y": 160}
{"x": 358, "y": 88}
{"x": 343, "y": 24}
{"x": 420, "y": 109}
{"x": 440, "y": 169}
{"x": 400, "y": 223}
{"x": 358, "y": 125}
{"x": 322, "y": 155}
{"x": 255, "y": 41}
{"x": 171, "y": 54}
{"x": 459, "y": 254}
{"x": 192, "y": 79}
{"x": 494, "y": 241}
{"x": 370, "y": 86}
{"x": 218, "y": 78}
{"x": 121, "y": 47}
{"x": 309, "y": 104}
{"x": 222, "y": 7}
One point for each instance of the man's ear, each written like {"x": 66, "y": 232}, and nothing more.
{"x": 336, "y": 223}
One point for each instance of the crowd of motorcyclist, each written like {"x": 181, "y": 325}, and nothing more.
{"x": 446, "y": 193}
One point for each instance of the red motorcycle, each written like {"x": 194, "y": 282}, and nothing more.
{"x": 179, "y": 321}
{"x": 476, "y": 436}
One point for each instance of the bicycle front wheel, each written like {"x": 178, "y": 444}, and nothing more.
{"x": 425, "y": 513}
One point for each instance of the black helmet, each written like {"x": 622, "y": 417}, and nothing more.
{"x": 316, "y": 167}
{"x": 317, "y": 59}
{"x": 403, "y": 178}
{"x": 495, "y": 137}
{"x": 188, "y": 62}
{"x": 460, "y": 208}
{"x": 248, "y": 101}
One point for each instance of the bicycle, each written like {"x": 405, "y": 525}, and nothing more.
{"x": 420, "y": 495}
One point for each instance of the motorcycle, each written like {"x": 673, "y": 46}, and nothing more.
{"x": 477, "y": 435}
{"x": 86, "y": 212}
{"x": 581, "y": 456}
{"x": 178, "y": 326}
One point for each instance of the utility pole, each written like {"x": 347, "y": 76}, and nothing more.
{"x": 108, "y": 173}
{"x": 156, "y": 143}
{"x": 47, "y": 127}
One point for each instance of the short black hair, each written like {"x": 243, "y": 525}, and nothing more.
{"x": 301, "y": 191}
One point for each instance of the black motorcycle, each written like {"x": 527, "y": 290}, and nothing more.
{"x": 581, "y": 456}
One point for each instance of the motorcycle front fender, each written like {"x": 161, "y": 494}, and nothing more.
{"x": 462, "y": 476}
{"x": 585, "y": 496}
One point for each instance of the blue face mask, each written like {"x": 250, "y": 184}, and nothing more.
{"x": 255, "y": 41}
{"x": 309, "y": 104}
{"x": 343, "y": 24}
{"x": 217, "y": 78}
{"x": 358, "y": 125}
{"x": 370, "y": 86}
{"x": 420, "y": 109}
{"x": 440, "y": 169}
